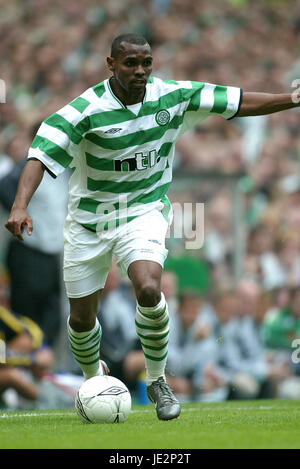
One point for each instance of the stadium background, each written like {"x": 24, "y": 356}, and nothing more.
{"x": 246, "y": 172}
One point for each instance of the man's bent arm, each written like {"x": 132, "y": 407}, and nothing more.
{"x": 258, "y": 104}
{"x": 30, "y": 179}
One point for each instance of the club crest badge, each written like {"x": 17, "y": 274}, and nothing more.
{"x": 162, "y": 117}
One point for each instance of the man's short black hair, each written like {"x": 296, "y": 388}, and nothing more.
{"x": 131, "y": 38}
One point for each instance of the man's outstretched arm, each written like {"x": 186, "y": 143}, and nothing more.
{"x": 29, "y": 181}
{"x": 258, "y": 104}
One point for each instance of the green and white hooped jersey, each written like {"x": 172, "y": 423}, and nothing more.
{"x": 122, "y": 160}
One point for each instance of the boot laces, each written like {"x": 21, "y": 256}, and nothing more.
{"x": 166, "y": 392}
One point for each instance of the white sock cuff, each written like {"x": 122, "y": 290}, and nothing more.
{"x": 153, "y": 309}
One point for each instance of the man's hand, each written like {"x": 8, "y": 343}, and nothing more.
{"x": 17, "y": 221}
{"x": 30, "y": 179}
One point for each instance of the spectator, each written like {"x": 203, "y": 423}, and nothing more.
{"x": 242, "y": 359}
{"x": 24, "y": 350}
{"x": 169, "y": 287}
{"x": 281, "y": 328}
{"x": 191, "y": 347}
{"x": 34, "y": 265}
{"x": 243, "y": 368}
{"x": 282, "y": 325}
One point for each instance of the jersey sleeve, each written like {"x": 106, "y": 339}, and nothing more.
{"x": 59, "y": 135}
{"x": 206, "y": 99}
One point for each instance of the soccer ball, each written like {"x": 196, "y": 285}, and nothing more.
{"x": 103, "y": 399}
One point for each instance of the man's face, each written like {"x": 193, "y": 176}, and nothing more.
{"x": 132, "y": 67}
{"x": 189, "y": 310}
{"x": 227, "y": 308}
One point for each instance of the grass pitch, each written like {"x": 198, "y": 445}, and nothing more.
{"x": 233, "y": 424}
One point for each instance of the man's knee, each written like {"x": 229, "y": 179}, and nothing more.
{"x": 81, "y": 322}
{"x": 83, "y": 312}
{"x": 148, "y": 293}
{"x": 146, "y": 277}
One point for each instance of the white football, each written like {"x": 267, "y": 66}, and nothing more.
{"x": 103, "y": 399}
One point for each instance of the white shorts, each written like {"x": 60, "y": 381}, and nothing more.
{"x": 88, "y": 255}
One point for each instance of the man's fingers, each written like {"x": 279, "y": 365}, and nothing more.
{"x": 29, "y": 227}
{"x": 16, "y": 226}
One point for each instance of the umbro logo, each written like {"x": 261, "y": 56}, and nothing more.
{"x": 112, "y": 391}
{"x": 113, "y": 130}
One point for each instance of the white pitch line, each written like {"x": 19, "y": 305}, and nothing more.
{"x": 32, "y": 414}
{"x": 209, "y": 409}
{"x": 12, "y": 415}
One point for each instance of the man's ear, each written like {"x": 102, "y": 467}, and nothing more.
{"x": 110, "y": 63}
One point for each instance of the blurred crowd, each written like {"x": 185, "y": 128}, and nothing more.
{"x": 233, "y": 338}
{"x": 233, "y": 343}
